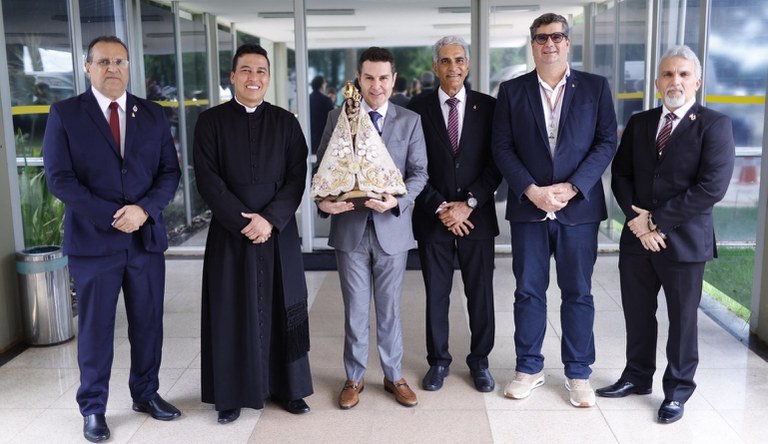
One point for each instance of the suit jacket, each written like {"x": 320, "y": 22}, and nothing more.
{"x": 84, "y": 170}
{"x": 451, "y": 177}
{"x": 586, "y": 144}
{"x": 319, "y": 106}
{"x": 400, "y": 99}
{"x": 681, "y": 187}
{"x": 404, "y": 140}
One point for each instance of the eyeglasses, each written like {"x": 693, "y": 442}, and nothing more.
{"x": 556, "y": 37}
{"x": 105, "y": 63}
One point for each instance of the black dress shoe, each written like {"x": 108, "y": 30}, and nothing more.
{"x": 228, "y": 415}
{"x": 622, "y": 388}
{"x": 433, "y": 380}
{"x": 95, "y": 427}
{"x": 296, "y": 406}
{"x": 483, "y": 380}
{"x": 157, "y": 408}
{"x": 670, "y": 411}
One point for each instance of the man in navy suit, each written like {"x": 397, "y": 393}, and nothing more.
{"x": 455, "y": 214}
{"x": 109, "y": 156}
{"x": 674, "y": 163}
{"x": 554, "y": 135}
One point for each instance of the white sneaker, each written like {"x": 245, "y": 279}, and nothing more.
{"x": 523, "y": 384}
{"x": 581, "y": 392}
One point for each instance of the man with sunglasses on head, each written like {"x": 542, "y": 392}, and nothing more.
{"x": 109, "y": 156}
{"x": 554, "y": 135}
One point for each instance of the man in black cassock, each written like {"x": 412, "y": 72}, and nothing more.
{"x": 250, "y": 162}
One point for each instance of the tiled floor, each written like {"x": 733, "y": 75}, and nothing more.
{"x": 37, "y": 388}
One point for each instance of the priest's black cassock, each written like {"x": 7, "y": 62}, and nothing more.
{"x": 255, "y": 332}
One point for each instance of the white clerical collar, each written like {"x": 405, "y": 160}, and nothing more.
{"x": 104, "y": 101}
{"x": 248, "y": 109}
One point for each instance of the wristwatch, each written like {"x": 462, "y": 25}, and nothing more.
{"x": 471, "y": 201}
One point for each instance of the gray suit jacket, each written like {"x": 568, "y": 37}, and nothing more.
{"x": 404, "y": 139}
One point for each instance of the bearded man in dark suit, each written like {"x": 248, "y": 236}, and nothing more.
{"x": 673, "y": 164}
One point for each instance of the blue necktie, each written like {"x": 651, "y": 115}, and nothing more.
{"x": 375, "y": 118}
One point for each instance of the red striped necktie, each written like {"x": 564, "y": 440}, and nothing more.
{"x": 664, "y": 134}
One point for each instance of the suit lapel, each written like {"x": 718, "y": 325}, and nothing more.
{"x": 571, "y": 85}
{"x": 389, "y": 123}
{"x": 436, "y": 119}
{"x": 92, "y": 108}
{"x": 534, "y": 99}
{"x": 650, "y": 132}
{"x": 686, "y": 122}
{"x": 130, "y": 122}
{"x": 470, "y": 117}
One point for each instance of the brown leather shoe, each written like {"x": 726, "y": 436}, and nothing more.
{"x": 403, "y": 394}
{"x": 349, "y": 396}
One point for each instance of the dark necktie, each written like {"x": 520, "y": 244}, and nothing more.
{"x": 114, "y": 123}
{"x": 375, "y": 118}
{"x": 664, "y": 134}
{"x": 453, "y": 123}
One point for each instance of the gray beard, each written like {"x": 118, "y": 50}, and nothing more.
{"x": 674, "y": 102}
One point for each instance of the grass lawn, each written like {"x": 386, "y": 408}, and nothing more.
{"x": 731, "y": 276}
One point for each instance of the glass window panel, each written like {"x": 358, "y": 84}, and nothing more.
{"x": 161, "y": 87}
{"x": 40, "y": 72}
{"x": 735, "y": 84}
{"x": 225, "y": 63}
{"x": 99, "y": 18}
{"x": 197, "y": 96}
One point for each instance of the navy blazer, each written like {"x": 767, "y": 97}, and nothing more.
{"x": 451, "y": 177}
{"x": 586, "y": 144}
{"x": 679, "y": 188}
{"x": 84, "y": 169}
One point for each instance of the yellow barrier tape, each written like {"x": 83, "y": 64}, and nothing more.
{"x": 175, "y": 104}
{"x": 629, "y": 96}
{"x": 711, "y": 98}
{"x": 738, "y": 100}
{"x": 20, "y": 110}
{"x": 30, "y": 109}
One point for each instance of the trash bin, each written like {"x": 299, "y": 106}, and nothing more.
{"x": 45, "y": 296}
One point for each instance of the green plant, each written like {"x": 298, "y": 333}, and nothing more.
{"x": 731, "y": 274}
{"x": 42, "y": 213}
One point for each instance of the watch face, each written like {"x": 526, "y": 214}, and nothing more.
{"x": 471, "y": 202}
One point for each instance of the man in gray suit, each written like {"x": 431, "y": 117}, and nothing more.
{"x": 372, "y": 246}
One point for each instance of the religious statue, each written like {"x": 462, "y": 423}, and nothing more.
{"x": 356, "y": 165}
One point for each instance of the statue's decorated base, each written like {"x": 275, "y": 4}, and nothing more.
{"x": 358, "y": 198}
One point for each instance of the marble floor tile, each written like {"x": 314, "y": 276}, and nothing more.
{"x": 730, "y": 404}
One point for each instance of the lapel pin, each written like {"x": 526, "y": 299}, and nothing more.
{"x": 133, "y": 114}
{"x": 474, "y": 106}
{"x": 135, "y": 108}
{"x": 692, "y": 116}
